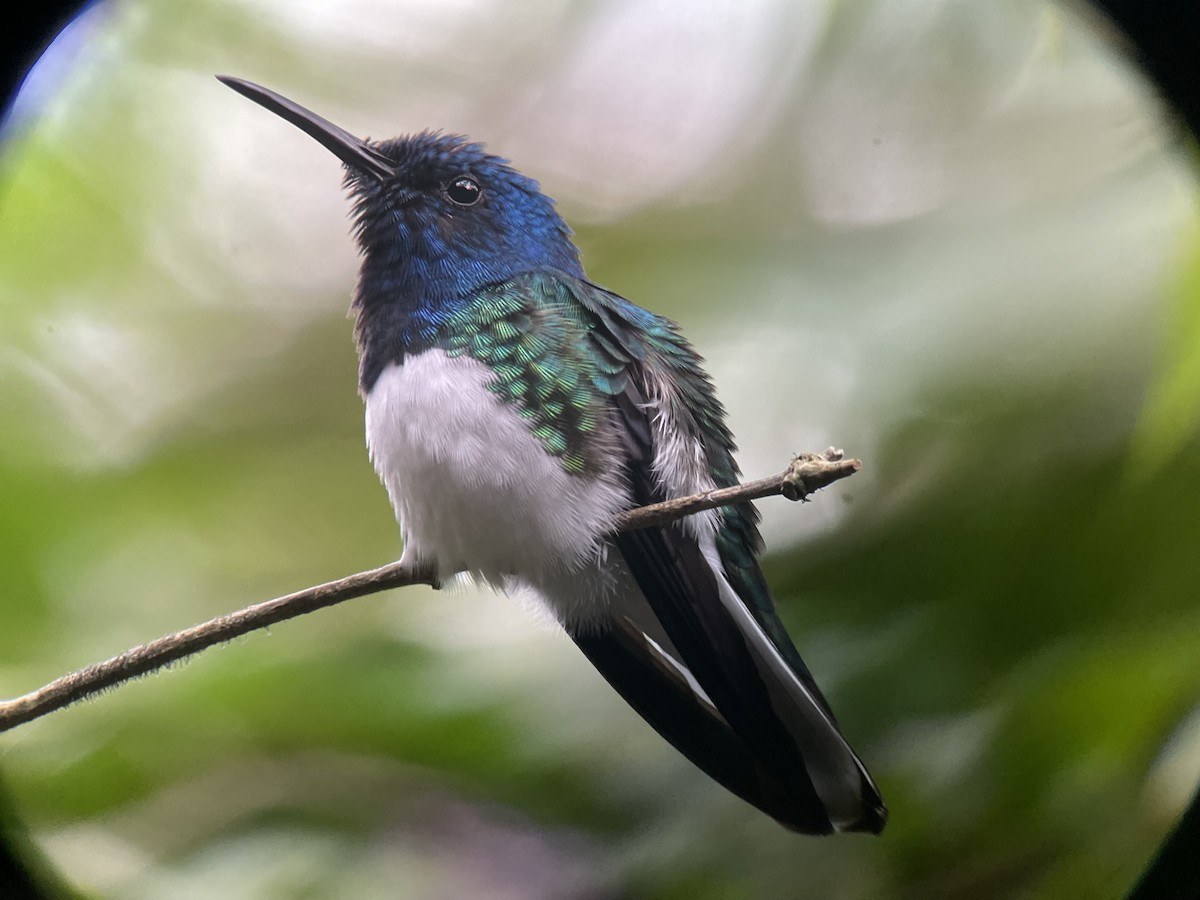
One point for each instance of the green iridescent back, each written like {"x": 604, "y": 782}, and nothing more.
{"x": 563, "y": 349}
{"x": 535, "y": 336}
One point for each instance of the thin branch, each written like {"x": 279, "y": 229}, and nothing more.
{"x": 807, "y": 473}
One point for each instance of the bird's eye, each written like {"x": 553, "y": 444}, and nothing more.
{"x": 464, "y": 191}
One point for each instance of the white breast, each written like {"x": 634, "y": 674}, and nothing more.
{"x": 473, "y": 490}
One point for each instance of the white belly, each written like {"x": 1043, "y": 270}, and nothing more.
{"x": 473, "y": 490}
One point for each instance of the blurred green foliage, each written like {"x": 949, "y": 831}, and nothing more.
{"x": 955, "y": 239}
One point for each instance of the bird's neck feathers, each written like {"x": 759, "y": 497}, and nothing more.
{"x": 425, "y": 258}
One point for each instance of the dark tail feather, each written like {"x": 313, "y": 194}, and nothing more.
{"x": 783, "y": 723}
{"x": 664, "y": 699}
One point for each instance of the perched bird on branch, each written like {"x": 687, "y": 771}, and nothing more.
{"x": 514, "y": 409}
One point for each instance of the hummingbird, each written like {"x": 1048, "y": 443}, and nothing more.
{"x": 514, "y": 409}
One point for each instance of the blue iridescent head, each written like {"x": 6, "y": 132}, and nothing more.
{"x": 450, "y": 218}
{"x": 436, "y": 217}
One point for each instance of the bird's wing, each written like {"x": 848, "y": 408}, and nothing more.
{"x": 727, "y": 687}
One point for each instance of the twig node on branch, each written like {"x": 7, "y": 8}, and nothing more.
{"x": 809, "y": 472}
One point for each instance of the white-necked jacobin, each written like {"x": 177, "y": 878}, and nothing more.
{"x": 514, "y": 409}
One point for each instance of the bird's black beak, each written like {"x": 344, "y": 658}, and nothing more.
{"x": 354, "y": 152}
